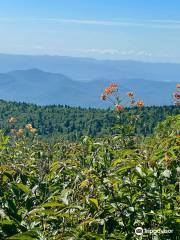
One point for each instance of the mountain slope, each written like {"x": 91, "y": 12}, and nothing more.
{"x": 45, "y": 88}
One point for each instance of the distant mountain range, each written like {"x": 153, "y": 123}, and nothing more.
{"x": 85, "y": 69}
{"x": 44, "y": 88}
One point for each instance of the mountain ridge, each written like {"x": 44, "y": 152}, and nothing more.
{"x": 44, "y": 88}
{"x": 85, "y": 69}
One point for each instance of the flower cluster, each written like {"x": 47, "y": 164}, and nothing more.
{"x": 112, "y": 88}
{"x": 176, "y": 95}
{"x": 30, "y": 128}
{"x": 110, "y": 94}
{"x": 20, "y": 132}
{"x": 109, "y": 90}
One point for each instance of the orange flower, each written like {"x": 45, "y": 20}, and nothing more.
{"x": 103, "y": 97}
{"x": 140, "y": 103}
{"x": 108, "y": 91}
{"x": 33, "y": 130}
{"x": 178, "y": 85}
{"x": 130, "y": 94}
{"x": 112, "y": 88}
{"x": 20, "y": 132}
{"x": 29, "y": 126}
{"x": 114, "y": 85}
{"x": 12, "y": 120}
{"x": 119, "y": 107}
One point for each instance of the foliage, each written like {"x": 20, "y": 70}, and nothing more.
{"x": 55, "y": 122}
{"x": 94, "y": 189}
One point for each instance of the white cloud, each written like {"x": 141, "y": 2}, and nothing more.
{"x": 152, "y": 23}
{"x": 99, "y": 51}
{"x": 115, "y": 52}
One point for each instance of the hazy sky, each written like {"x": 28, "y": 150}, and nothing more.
{"x": 147, "y": 30}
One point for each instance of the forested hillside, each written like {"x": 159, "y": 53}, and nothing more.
{"x": 90, "y": 174}
{"x": 70, "y": 123}
{"x": 115, "y": 188}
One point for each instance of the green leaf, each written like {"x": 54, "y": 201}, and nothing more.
{"x": 93, "y": 235}
{"x": 23, "y": 187}
{"x": 123, "y": 169}
{"x": 94, "y": 202}
{"x": 116, "y": 162}
{"x": 29, "y": 235}
{"x": 53, "y": 204}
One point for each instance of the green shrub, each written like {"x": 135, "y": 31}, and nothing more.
{"x": 101, "y": 189}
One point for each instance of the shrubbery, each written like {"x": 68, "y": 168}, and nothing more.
{"x": 100, "y": 189}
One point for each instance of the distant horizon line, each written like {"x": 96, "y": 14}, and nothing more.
{"x": 83, "y": 57}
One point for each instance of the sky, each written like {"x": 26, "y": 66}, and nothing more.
{"x": 145, "y": 30}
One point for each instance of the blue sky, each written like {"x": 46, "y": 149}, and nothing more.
{"x": 147, "y": 30}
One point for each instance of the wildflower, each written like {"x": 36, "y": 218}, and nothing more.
{"x": 112, "y": 88}
{"x": 103, "y": 97}
{"x": 116, "y": 100}
{"x": 178, "y": 85}
{"x": 130, "y": 94}
{"x": 29, "y": 126}
{"x": 177, "y": 95}
{"x": 20, "y": 132}
{"x": 140, "y": 103}
{"x": 119, "y": 107}
{"x": 33, "y": 130}
{"x": 108, "y": 90}
{"x": 12, "y": 120}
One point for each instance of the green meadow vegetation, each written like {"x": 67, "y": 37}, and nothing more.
{"x": 100, "y": 187}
